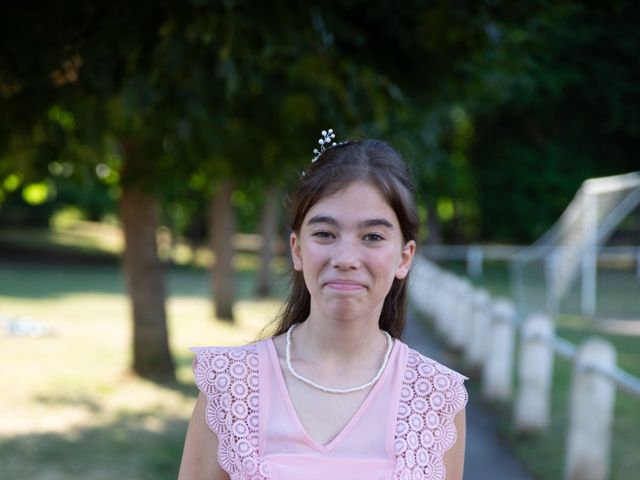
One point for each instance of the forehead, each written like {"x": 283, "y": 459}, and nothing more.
{"x": 356, "y": 202}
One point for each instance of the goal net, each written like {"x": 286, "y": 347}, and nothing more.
{"x": 588, "y": 262}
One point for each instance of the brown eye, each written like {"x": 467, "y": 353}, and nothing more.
{"x": 373, "y": 237}
{"x": 322, "y": 234}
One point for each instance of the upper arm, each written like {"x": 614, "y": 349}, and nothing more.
{"x": 454, "y": 457}
{"x": 200, "y": 455}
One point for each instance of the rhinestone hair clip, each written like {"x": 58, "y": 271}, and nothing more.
{"x": 326, "y": 142}
{"x": 325, "y": 139}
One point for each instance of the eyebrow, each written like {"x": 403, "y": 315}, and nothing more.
{"x": 372, "y": 222}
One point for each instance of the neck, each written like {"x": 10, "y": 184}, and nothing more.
{"x": 337, "y": 390}
{"x": 338, "y": 339}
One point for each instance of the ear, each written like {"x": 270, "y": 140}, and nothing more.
{"x": 406, "y": 257}
{"x": 294, "y": 244}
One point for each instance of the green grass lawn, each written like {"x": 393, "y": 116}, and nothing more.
{"x": 70, "y": 408}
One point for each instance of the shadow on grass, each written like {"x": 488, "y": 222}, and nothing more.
{"x": 136, "y": 446}
{"x": 62, "y": 399}
{"x": 51, "y": 281}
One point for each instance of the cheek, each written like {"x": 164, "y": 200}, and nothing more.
{"x": 312, "y": 258}
{"x": 387, "y": 264}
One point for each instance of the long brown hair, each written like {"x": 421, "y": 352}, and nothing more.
{"x": 371, "y": 161}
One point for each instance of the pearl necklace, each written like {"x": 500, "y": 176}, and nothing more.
{"x": 338, "y": 390}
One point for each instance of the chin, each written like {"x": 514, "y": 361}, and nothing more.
{"x": 346, "y": 311}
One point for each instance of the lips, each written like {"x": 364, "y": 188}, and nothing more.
{"x": 344, "y": 285}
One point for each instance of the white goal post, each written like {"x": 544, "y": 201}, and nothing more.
{"x": 600, "y": 225}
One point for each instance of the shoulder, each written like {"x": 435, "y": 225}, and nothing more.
{"x": 442, "y": 386}
{"x": 428, "y": 424}
{"x": 231, "y": 352}
{"x": 215, "y": 368}
{"x": 228, "y": 378}
{"x": 429, "y": 367}
{"x": 220, "y": 358}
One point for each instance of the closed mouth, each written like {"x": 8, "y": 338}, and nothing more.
{"x": 344, "y": 285}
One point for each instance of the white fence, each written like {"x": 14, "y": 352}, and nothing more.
{"x": 475, "y": 256}
{"x": 484, "y": 329}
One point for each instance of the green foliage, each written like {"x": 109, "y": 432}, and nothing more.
{"x": 174, "y": 96}
{"x": 556, "y": 95}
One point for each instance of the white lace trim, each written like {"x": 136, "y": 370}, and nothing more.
{"x": 430, "y": 397}
{"x": 229, "y": 379}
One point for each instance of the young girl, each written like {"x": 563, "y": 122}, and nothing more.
{"x": 334, "y": 394}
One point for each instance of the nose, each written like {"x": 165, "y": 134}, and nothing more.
{"x": 346, "y": 255}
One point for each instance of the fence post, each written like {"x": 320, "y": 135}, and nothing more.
{"x": 422, "y": 288}
{"x": 447, "y": 308}
{"x": 498, "y": 365}
{"x": 475, "y": 257}
{"x": 535, "y": 369}
{"x": 590, "y": 413}
{"x": 552, "y": 275}
{"x": 459, "y": 328}
{"x": 477, "y": 341}
{"x": 589, "y": 262}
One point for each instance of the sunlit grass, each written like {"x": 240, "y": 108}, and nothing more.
{"x": 70, "y": 407}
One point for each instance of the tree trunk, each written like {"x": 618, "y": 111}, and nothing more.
{"x": 145, "y": 285}
{"x": 268, "y": 230}
{"x": 221, "y": 229}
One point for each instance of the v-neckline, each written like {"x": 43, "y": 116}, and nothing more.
{"x": 293, "y": 414}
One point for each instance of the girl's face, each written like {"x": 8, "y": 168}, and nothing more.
{"x": 349, "y": 250}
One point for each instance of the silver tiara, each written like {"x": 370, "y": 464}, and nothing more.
{"x": 326, "y": 142}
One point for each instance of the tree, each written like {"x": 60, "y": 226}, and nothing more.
{"x": 268, "y": 232}
{"x": 179, "y": 97}
{"x": 222, "y": 228}
{"x": 93, "y": 61}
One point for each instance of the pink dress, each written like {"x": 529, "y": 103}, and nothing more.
{"x": 400, "y": 431}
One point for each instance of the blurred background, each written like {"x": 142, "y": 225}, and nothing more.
{"x": 146, "y": 151}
